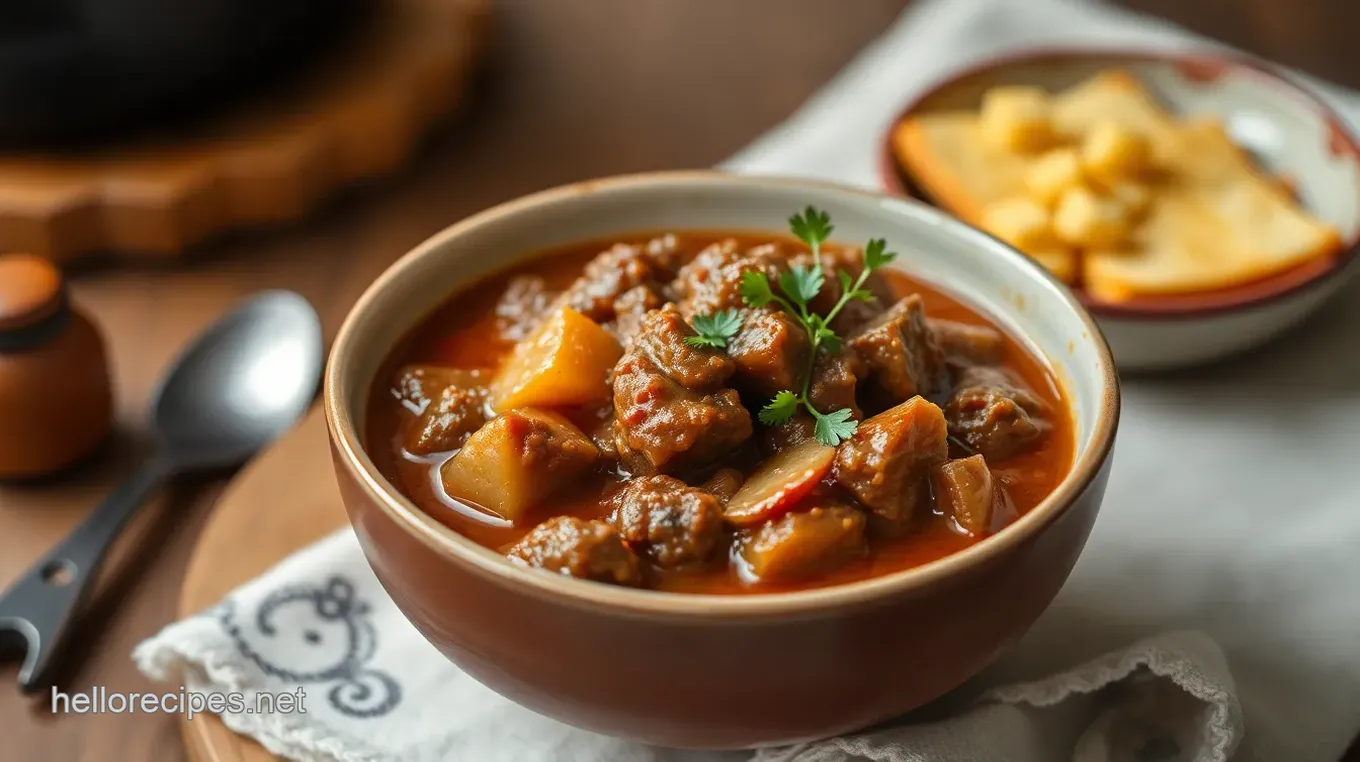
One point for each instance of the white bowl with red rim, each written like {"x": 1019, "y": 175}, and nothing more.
{"x": 1290, "y": 132}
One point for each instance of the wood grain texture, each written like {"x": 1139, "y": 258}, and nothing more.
{"x": 354, "y": 118}
{"x": 576, "y": 88}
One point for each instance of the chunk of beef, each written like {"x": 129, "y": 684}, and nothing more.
{"x": 629, "y": 309}
{"x": 451, "y": 417}
{"x": 615, "y": 271}
{"x": 799, "y": 429}
{"x": 723, "y": 484}
{"x": 964, "y": 491}
{"x": 667, "y": 252}
{"x": 673, "y": 412}
{"x": 522, "y": 307}
{"x": 802, "y": 543}
{"x": 902, "y": 356}
{"x": 577, "y": 548}
{"x": 994, "y": 414}
{"x": 965, "y": 344}
{"x": 886, "y": 462}
{"x": 672, "y": 522}
{"x": 770, "y": 351}
{"x": 661, "y": 337}
{"x": 417, "y": 385}
{"x": 712, "y": 280}
{"x": 834, "y": 380}
{"x": 664, "y": 427}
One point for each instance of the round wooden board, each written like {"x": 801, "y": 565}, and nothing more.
{"x": 354, "y": 116}
{"x": 283, "y": 500}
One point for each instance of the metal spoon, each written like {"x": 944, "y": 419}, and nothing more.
{"x": 242, "y": 383}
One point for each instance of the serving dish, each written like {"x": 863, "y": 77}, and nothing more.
{"x": 710, "y": 671}
{"x": 1288, "y": 131}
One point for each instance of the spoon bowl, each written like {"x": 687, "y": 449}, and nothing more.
{"x": 244, "y": 382}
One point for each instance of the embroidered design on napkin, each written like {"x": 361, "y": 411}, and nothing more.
{"x": 308, "y": 634}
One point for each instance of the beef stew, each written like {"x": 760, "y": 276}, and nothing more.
{"x": 608, "y": 412}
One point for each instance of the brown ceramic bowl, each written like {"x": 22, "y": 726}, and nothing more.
{"x": 1287, "y": 129}
{"x": 710, "y": 671}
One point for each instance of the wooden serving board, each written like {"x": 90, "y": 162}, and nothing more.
{"x": 283, "y": 500}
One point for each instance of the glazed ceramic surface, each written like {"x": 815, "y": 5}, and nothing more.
{"x": 1286, "y": 129}
{"x": 722, "y": 671}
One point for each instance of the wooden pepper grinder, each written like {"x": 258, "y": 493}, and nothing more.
{"x": 56, "y": 403}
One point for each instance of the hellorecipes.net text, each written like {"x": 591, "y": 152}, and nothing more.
{"x": 101, "y": 700}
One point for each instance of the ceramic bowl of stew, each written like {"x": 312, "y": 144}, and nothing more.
{"x": 574, "y": 496}
{"x": 1288, "y": 133}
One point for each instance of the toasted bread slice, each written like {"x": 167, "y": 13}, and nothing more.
{"x": 1213, "y": 221}
{"x": 1217, "y": 224}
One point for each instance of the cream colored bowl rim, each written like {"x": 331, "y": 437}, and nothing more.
{"x": 342, "y": 424}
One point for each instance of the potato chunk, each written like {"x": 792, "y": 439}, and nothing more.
{"x": 1017, "y": 119}
{"x": 803, "y": 543}
{"x": 1111, "y": 151}
{"x": 565, "y": 362}
{"x": 517, "y": 460}
{"x": 1085, "y": 219}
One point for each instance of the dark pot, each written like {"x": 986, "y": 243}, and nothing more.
{"x": 76, "y": 69}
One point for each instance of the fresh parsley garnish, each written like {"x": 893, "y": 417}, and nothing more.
{"x": 799, "y": 286}
{"x": 714, "y": 330}
{"x": 835, "y": 426}
{"x": 780, "y": 409}
{"x": 812, "y": 227}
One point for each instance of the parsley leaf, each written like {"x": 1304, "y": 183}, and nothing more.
{"x": 755, "y": 289}
{"x": 876, "y": 254}
{"x": 801, "y": 284}
{"x": 812, "y": 226}
{"x": 714, "y": 330}
{"x": 834, "y": 427}
{"x": 780, "y": 409}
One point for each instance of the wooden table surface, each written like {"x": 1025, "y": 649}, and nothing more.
{"x": 575, "y": 88}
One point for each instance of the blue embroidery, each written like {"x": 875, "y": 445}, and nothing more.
{"x": 337, "y": 639}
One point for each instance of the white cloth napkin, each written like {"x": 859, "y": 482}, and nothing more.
{"x": 375, "y": 691}
{"x": 1233, "y": 518}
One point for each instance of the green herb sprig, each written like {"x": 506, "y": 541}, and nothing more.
{"x": 714, "y": 330}
{"x": 799, "y": 286}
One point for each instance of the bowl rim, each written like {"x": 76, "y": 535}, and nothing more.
{"x": 1285, "y": 284}
{"x": 343, "y": 431}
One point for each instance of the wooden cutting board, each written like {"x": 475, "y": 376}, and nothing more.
{"x": 282, "y": 501}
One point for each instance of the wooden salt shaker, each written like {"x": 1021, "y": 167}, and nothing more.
{"x": 56, "y": 403}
